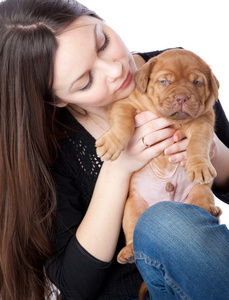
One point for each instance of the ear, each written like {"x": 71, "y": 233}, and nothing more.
{"x": 215, "y": 86}
{"x": 60, "y": 104}
{"x": 141, "y": 77}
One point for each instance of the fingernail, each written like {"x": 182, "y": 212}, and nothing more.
{"x": 167, "y": 151}
{"x": 172, "y": 159}
{"x": 182, "y": 163}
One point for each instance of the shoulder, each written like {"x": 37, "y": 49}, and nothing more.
{"x": 221, "y": 124}
{"x": 148, "y": 55}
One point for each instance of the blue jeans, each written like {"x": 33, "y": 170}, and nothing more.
{"x": 182, "y": 253}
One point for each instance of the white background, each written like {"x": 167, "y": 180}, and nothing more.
{"x": 201, "y": 26}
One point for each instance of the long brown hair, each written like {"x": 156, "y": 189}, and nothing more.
{"x": 28, "y": 30}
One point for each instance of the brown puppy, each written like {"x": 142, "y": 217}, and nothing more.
{"x": 180, "y": 86}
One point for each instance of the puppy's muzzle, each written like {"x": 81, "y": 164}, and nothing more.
{"x": 181, "y": 98}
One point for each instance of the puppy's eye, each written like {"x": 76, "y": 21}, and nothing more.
{"x": 197, "y": 82}
{"x": 164, "y": 82}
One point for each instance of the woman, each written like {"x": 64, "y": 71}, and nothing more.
{"x": 61, "y": 67}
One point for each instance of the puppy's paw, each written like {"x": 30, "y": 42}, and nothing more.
{"x": 201, "y": 173}
{"x": 126, "y": 255}
{"x": 109, "y": 146}
{"x": 214, "y": 210}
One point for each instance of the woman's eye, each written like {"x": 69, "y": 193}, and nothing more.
{"x": 103, "y": 47}
{"x": 88, "y": 85}
{"x": 105, "y": 44}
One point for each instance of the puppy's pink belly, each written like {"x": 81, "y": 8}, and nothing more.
{"x": 154, "y": 188}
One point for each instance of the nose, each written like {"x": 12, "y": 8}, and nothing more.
{"x": 112, "y": 69}
{"x": 181, "y": 98}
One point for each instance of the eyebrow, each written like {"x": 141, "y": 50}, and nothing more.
{"x": 81, "y": 76}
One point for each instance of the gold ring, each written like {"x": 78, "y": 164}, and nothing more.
{"x": 144, "y": 142}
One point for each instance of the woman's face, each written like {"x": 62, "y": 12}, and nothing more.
{"x": 92, "y": 67}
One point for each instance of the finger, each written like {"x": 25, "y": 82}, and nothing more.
{"x": 136, "y": 146}
{"x": 147, "y": 116}
{"x": 212, "y": 149}
{"x": 155, "y": 137}
{"x": 144, "y": 117}
{"x": 151, "y": 127}
{"x": 178, "y": 135}
{"x": 211, "y": 154}
{"x": 183, "y": 163}
{"x": 178, "y": 157}
{"x": 177, "y": 147}
{"x": 157, "y": 149}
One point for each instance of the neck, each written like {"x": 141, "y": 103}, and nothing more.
{"x": 81, "y": 112}
{"x": 99, "y": 119}
{"x": 94, "y": 120}
{"x": 98, "y": 114}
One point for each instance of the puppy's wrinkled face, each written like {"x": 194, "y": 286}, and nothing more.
{"x": 180, "y": 84}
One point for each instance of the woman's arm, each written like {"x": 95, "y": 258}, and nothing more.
{"x": 220, "y": 161}
{"x": 71, "y": 268}
{"x": 99, "y": 230}
{"x": 85, "y": 243}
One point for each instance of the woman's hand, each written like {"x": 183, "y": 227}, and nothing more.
{"x": 151, "y": 137}
{"x": 177, "y": 152}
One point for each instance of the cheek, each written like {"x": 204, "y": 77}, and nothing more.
{"x": 118, "y": 49}
{"x": 205, "y": 92}
{"x": 158, "y": 93}
{"x": 201, "y": 94}
{"x": 95, "y": 97}
{"x": 98, "y": 95}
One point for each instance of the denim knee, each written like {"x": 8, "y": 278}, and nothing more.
{"x": 173, "y": 222}
{"x": 163, "y": 222}
{"x": 182, "y": 246}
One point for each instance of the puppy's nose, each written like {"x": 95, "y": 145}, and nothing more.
{"x": 181, "y": 98}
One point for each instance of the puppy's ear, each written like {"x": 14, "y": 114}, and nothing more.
{"x": 215, "y": 86}
{"x": 141, "y": 77}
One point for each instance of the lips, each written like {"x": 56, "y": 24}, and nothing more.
{"x": 127, "y": 81}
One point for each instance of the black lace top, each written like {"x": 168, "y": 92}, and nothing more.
{"x": 76, "y": 273}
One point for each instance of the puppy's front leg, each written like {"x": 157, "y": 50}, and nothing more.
{"x": 198, "y": 167}
{"x": 114, "y": 141}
